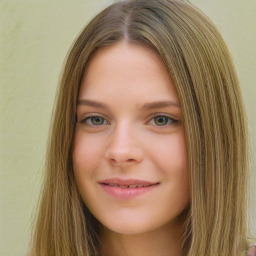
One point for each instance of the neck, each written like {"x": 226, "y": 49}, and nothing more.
{"x": 164, "y": 241}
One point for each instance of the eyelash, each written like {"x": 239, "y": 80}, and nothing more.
{"x": 170, "y": 120}
{"x": 89, "y": 118}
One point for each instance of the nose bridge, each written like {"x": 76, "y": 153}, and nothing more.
{"x": 124, "y": 146}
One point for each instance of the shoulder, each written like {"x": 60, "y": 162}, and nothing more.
{"x": 251, "y": 250}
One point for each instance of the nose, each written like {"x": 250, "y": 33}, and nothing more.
{"x": 124, "y": 148}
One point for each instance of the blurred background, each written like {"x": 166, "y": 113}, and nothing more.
{"x": 34, "y": 39}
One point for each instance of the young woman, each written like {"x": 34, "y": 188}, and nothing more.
{"x": 148, "y": 152}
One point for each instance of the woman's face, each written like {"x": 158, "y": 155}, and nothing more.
{"x": 129, "y": 155}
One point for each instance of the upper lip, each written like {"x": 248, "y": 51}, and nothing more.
{"x": 127, "y": 182}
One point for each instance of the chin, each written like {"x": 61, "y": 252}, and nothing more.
{"x": 135, "y": 226}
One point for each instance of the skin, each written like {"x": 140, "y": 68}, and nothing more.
{"x": 252, "y": 250}
{"x": 131, "y": 138}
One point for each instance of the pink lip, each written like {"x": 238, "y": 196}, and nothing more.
{"x": 119, "y": 189}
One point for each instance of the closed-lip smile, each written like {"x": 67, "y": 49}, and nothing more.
{"x": 126, "y": 188}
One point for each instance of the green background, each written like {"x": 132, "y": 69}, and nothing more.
{"x": 34, "y": 39}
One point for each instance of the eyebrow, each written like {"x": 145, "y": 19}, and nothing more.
{"x": 159, "y": 104}
{"x": 92, "y": 103}
{"x": 146, "y": 106}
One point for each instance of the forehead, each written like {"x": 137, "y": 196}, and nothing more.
{"x": 126, "y": 69}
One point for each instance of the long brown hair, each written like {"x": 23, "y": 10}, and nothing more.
{"x": 214, "y": 120}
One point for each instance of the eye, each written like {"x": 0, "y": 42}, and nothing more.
{"x": 162, "y": 120}
{"x": 94, "y": 121}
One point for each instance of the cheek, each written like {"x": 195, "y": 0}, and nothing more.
{"x": 87, "y": 152}
{"x": 170, "y": 157}
{"x": 170, "y": 154}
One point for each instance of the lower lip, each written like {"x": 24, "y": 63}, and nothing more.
{"x": 126, "y": 193}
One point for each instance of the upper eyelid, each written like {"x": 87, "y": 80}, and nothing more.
{"x": 105, "y": 121}
{"x": 172, "y": 120}
{"x": 162, "y": 114}
{"x": 87, "y": 115}
{"x": 84, "y": 121}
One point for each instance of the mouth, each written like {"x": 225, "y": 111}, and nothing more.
{"x": 128, "y": 186}
{"x": 127, "y": 189}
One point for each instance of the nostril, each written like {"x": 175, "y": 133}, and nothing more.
{"x": 119, "y": 156}
{"x": 122, "y": 162}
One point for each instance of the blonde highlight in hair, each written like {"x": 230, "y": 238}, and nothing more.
{"x": 214, "y": 120}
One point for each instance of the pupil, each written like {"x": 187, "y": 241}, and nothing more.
{"x": 161, "y": 120}
{"x": 97, "y": 120}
